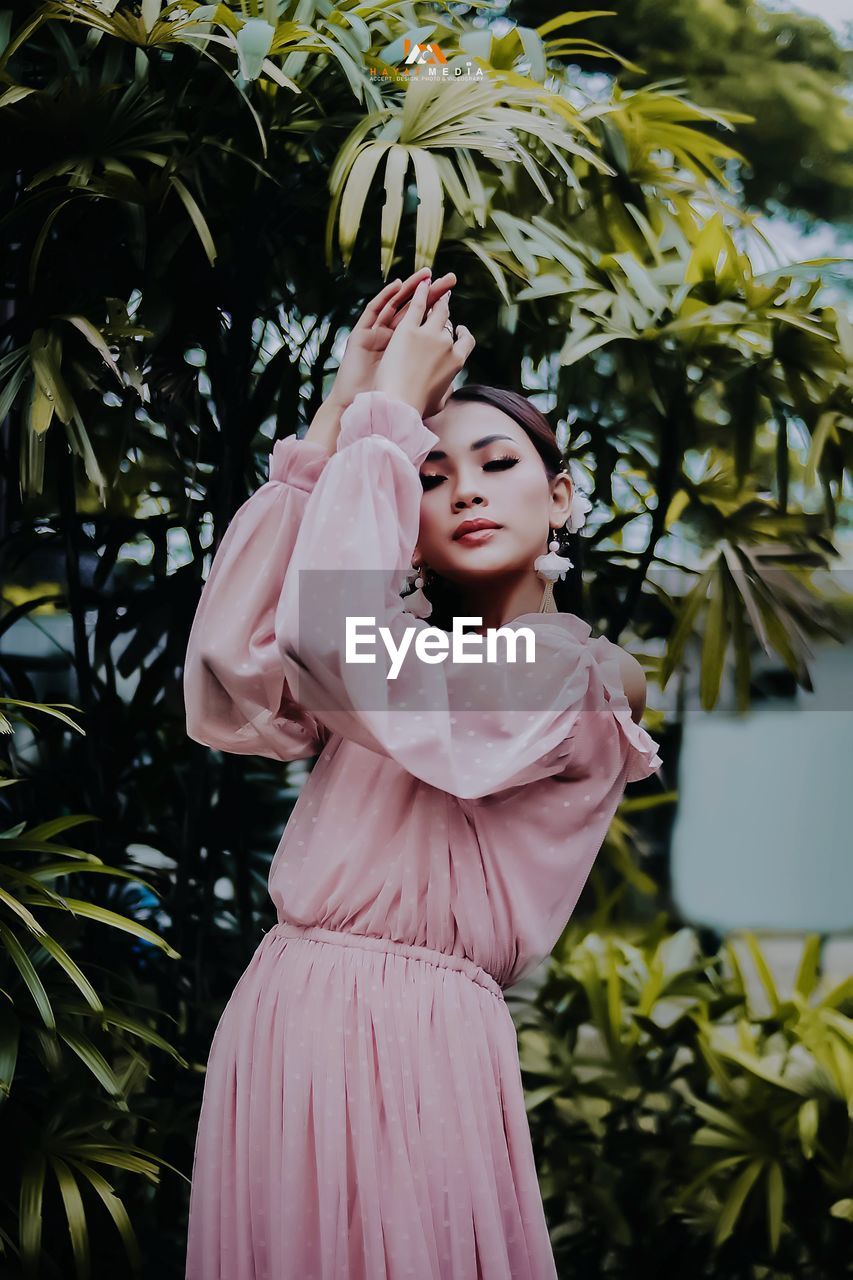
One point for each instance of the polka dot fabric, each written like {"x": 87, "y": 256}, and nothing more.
{"x": 363, "y": 1114}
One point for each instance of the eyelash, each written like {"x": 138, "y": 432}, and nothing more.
{"x": 504, "y": 458}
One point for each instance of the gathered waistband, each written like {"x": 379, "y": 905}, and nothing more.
{"x": 346, "y": 938}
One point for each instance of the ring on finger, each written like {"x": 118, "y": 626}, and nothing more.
{"x": 451, "y": 328}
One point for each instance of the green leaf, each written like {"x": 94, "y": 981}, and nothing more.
{"x": 117, "y": 1211}
{"x": 775, "y": 1204}
{"x": 392, "y": 210}
{"x": 808, "y": 1118}
{"x": 430, "y": 215}
{"x": 117, "y": 1018}
{"x": 46, "y": 360}
{"x": 536, "y": 1097}
{"x": 197, "y": 217}
{"x": 33, "y": 982}
{"x": 96, "y": 338}
{"x": 722, "y": 1119}
{"x": 48, "y": 709}
{"x": 30, "y": 1209}
{"x": 92, "y": 1058}
{"x": 355, "y": 193}
{"x": 714, "y": 644}
{"x": 133, "y": 1159}
{"x": 116, "y": 921}
{"x": 573, "y": 351}
{"x": 53, "y": 870}
{"x": 758, "y": 1069}
{"x": 10, "y": 1031}
{"x": 18, "y": 909}
{"x": 570, "y": 18}
{"x": 16, "y": 94}
{"x": 684, "y": 1196}
{"x": 492, "y": 268}
{"x": 75, "y": 973}
{"x": 735, "y": 1201}
{"x": 275, "y": 73}
{"x": 75, "y": 1214}
{"x": 712, "y": 243}
{"x": 764, "y": 973}
{"x": 47, "y": 830}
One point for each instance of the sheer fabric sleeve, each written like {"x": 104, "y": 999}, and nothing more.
{"x": 470, "y": 730}
{"x": 236, "y": 693}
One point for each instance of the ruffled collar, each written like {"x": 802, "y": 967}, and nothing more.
{"x": 643, "y": 756}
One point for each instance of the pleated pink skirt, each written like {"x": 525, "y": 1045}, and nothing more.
{"x": 363, "y": 1119}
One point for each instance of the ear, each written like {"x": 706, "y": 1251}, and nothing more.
{"x": 561, "y": 499}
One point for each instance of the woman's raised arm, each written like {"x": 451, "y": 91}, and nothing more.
{"x": 469, "y": 731}
{"x": 236, "y": 693}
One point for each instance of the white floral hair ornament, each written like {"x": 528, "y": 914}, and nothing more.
{"x": 580, "y": 505}
{"x": 552, "y": 566}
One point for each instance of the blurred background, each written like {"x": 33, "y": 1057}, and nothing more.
{"x": 649, "y": 212}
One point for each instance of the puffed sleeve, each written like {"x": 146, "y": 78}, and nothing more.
{"x": 470, "y": 730}
{"x": 236, "y": 693}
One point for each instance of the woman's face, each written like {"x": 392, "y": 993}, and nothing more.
{"x": 491, "y": 470}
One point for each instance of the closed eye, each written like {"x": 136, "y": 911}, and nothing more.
{"x": 494, "y": 464}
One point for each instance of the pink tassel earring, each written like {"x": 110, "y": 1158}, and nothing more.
{"x": 549, "y": 568}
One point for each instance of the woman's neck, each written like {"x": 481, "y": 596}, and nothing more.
{"x": 497, "y": 607}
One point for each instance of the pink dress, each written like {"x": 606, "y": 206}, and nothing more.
{"x": 363, "y": 1114}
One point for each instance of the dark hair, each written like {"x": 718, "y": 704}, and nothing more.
{"x": 445, "y": 597}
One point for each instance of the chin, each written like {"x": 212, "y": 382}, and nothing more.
{"x": 477, "y": 567}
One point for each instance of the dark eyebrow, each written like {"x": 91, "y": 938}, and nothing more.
{"x": 478, "y": 444}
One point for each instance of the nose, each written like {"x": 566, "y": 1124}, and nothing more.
{"x": 466, "y": 493}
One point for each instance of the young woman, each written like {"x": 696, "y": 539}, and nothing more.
{"x": 363, "y": 1114}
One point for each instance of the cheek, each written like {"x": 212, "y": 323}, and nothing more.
{"x": 523, "y": 511}
{"x": 529, "y": 517}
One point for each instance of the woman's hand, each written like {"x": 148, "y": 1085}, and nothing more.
{"x": 365, "y": 346}
{"x": 422, "y": 358}
{"x": 374, "y": 329}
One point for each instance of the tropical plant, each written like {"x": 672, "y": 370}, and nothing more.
{"x": 196, "y": 202}
{"x": 680, "y": 1128}
{"x": 784, "y": 67}
{"x": 71, "y": 1060}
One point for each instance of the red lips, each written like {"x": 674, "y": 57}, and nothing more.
{"x": 468, "y": 526}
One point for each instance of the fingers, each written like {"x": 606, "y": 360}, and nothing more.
{"x": 443, "y": 285}
{"x": 464, "y": 344}
{"x": 390, "y": 306}
{"x": 371, "y": 312}
{"x": 386, "y": 315}
{"x": 399, "y": 302}
{"x": 415, "y": 313}
{"x": 437, "y": 287}
{"x": 381, "y": 308}
{"x": 438, "y": 316}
